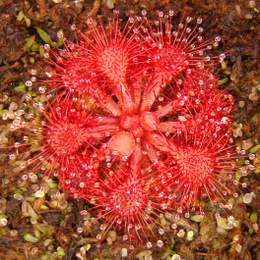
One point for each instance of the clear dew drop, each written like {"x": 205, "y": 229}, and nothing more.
{"x": 236, "y": 195}
{"x": 83, "y": 212}
{"x": 149, "y": 245}
{"x": 33, "y": 72}
{"x": 119, "y": 221}
{"x": 251, "y": 156}
{"x": 24, "y": 177}
{"x": 28, "y": 83}
{"x": 46, "y": 55}
{"x": 33, "y": 79}
{"x": 174, "y": 226}
{"x": 244, "y": 185}
{"x": 160, "y": 14}
{"x": 230, "y": 207}
{"x": 31, "y": 175}
{"x": 79, "y": 230}
{"x": 235, "y": 182}
{"x": 199, "y": 20}
{"x": 46, "y": 47}
{"x": 179, "y": 210}
{"x": 161, "y": 231}
{"x": 187, "y": 215}
{"x": 188, "y": 30}
{"x": 217, "y": 38}
{"x": 222, "y": 56}
{"x": 102, "y": 227}
{"x": 82, "y": 185}
{"x": 159, "y": 243}
{"x": 251, "y": 167}
{"x": 11, "y": 156}
{"x": 171, "y": 12}
{"x": 199, "y": 38}
{"x": 188, "y": 19}
{"x": 144, "y": 12}
{"x": 73, "y": 27}
{"x": 42, "y": 89}
{"x": 48, "y": 74}
{"x": 131, "y": 19}
{"x": 99, "y": 237}
{"x": 16, "y": 144}
{"x": 60, "y": 34}
{"x": 243, "y": 152}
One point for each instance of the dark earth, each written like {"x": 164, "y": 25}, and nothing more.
{"x": 49, "y": 227}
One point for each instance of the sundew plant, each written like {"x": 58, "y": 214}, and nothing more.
{"x": 134, "y": 123}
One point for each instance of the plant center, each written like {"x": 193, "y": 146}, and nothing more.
{"x": 113, "y": 62}
{"x": 65, "y": 137}
{"x": 196, "y": 166}
{"x": 129, "y": 198}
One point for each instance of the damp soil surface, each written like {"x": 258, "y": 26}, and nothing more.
{"x": 49, "y": 227}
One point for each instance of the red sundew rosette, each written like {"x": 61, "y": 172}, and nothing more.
{"x": 81, "y": 177}
{"x": 113, "y": 53}
{"x": 193, "y": 168}
{"x": 73, "y": 78}
{"x": 193, "y": 106}
{"x": 124, "y": 200}
{"x": 196, "y": 115}
{"x": 59, "y": 136}
{"x": 173, "y": 52}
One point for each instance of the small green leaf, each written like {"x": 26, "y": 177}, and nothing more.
{"x": 254, "y": 216}
{"x": 222, "y": 81}
{"x": 222, "y": 222}
{"x": 34, "y": 146}
{"x": 21, "y": 87}
{"x": 255, "y": 149}
{"x": 197, "y": 218}
{"x": 61, "y": 253}
{"x": 33, "y": 94}
{"x": 3, "y": 111}
{"x": 46, "y": 38}
{"x": 50, "y": 182}
{"x": 18, "y": 192}
{"x": 60, "y": 41}
{"x": 2, "y": 231}
{"x": 30, "y": 238}
{"x": 50, "y": 23}
{"x": 29, "y": 42}
{"x": 37, "y": 233}
{"x": 216, "y": 245}
{"x": 27, "y": 21}
{"x": 41, "y": 51}
{"x": 250, "y": 231}
{"x": 20, "y": 16}
{"x": 35, "y": 47}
